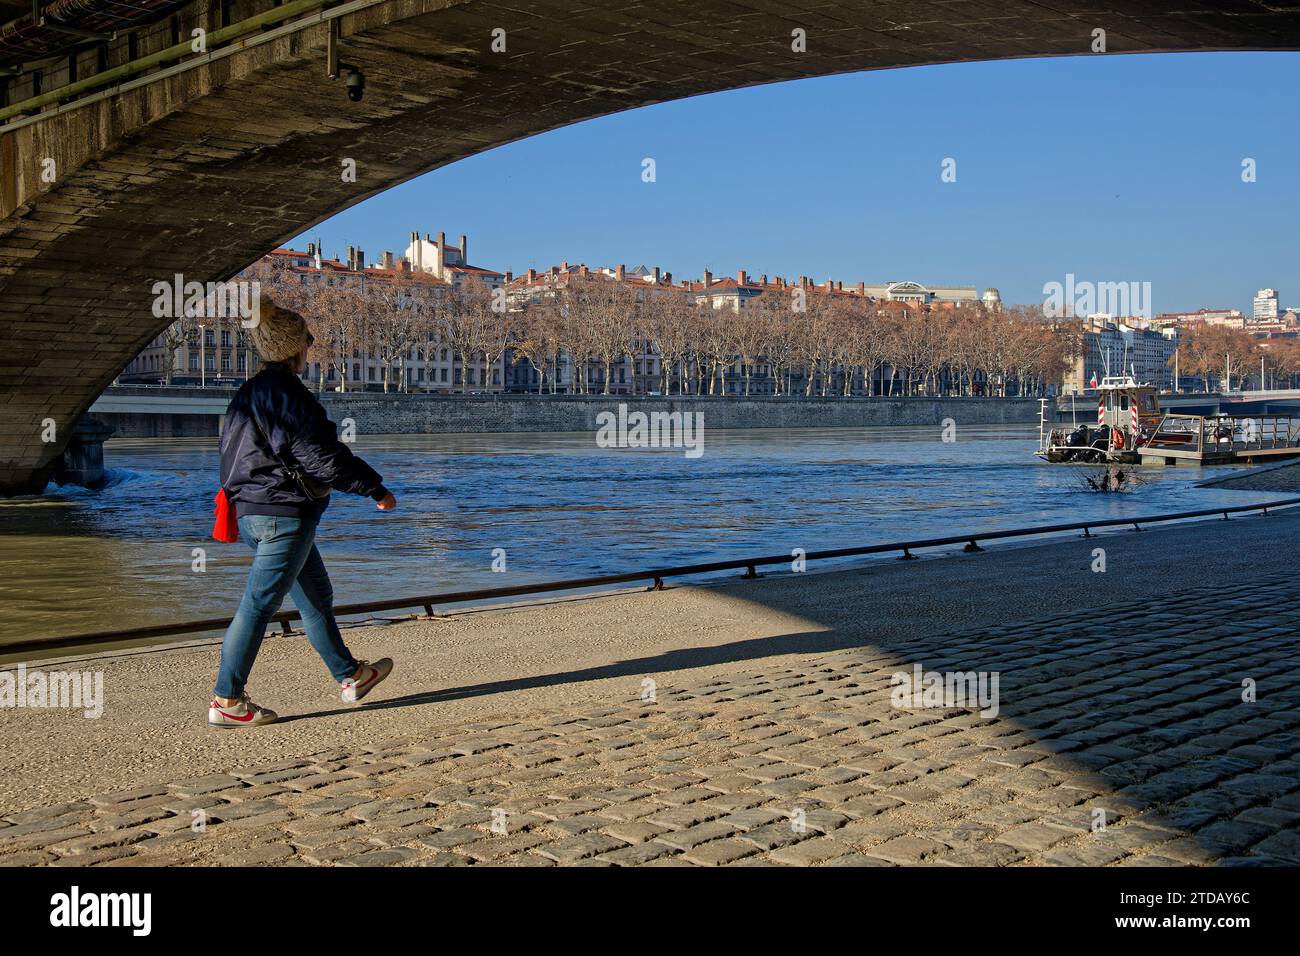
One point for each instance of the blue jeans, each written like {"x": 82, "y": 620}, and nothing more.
{"x": 286, "y": 562}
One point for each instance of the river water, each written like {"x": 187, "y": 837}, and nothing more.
{"x": 124, "y": 556}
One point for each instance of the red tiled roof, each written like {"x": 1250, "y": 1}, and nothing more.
{"x": 545, "y": 278}
{"x": 563, "y": 273}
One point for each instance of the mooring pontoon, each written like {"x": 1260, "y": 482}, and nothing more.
{"x": 1131, "y": 429}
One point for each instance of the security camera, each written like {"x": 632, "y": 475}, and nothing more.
{"x": 355, "y": 83}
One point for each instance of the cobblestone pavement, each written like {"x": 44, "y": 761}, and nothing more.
{"x": 1138, "y": 721}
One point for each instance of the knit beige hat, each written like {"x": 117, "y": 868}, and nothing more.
{"x": 279, "y": 334}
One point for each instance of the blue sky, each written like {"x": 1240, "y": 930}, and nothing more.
{"x": 1118, "y": 168}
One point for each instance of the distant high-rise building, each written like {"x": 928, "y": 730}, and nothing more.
{"x": 1266, "y": 307}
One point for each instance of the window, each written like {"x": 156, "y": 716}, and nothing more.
{"x": 194, "y": 362}
{"x": 208, "y": 338}
{"x": 225, "y": 361}
{"x": 210, "y": 363}
{"x": 225, "y": 338}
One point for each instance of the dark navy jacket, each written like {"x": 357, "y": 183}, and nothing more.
{"x": 296, "y": 426}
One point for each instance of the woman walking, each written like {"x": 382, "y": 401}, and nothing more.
{"x": 280, "y": 456}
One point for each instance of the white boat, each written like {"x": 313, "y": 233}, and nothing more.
{"x": 1131, "y": 429}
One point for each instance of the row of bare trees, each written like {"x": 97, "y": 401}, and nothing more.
{"x": 793, "y": 342}
{"x": 574, "y": 336}
{"x": 1229, "y": 354}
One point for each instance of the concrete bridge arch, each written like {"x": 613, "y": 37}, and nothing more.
{"x": 204, "y": 161}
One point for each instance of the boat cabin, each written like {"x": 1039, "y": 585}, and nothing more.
{"x": 1129, "y": 409}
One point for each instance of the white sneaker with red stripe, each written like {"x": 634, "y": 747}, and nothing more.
{"x": 242, "y": 713}
{"x": 368, "y": 678}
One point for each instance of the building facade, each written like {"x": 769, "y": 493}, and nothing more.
{"x": 917, "y": 293}
{"x": 1232, "y": 318}
{"x": 192, "y": 352}
{"x": 1116, "y": 346}
{"x": 1266, "y": 306}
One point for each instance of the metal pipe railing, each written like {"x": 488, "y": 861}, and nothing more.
{"x": 654, "y": 575}
{"x": 177, "y": 51}
{"x": 223, "y": 42}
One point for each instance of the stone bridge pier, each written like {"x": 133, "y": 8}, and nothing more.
{"x": 132, "y": 160}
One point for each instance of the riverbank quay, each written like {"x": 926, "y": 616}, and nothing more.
{"x": 748, "y": 722}
{"x": 173, "y": 411}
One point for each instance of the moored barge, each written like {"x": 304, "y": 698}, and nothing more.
{"x": 1132, "y": 430}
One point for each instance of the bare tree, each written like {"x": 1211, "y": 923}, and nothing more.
{"x": 816, "y": 342}
{"x": 1218, "y": 350}
{"x": 336, "y": 315}
{"x": 615, "y": 326}
{"x": 748, "y": 333}
{"x": 668, "y": 319}
{"x": 536, "y": 339}
{"x": 398, "y": 323}
{"x": 575, "y": 336}
{"x": 774, "y": 313}
{"x": 467, "y": 321}
{"x": 601, "y": 316}
{"x": 496, "y": 341}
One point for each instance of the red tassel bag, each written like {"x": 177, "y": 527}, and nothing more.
{"x": 226, "y": 530}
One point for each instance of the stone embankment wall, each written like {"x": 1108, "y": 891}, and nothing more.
{"x": 404, "y": 414}
{"x": 393, "y": 414}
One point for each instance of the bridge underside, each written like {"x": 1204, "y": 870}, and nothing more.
{"x": 203, "y": 172}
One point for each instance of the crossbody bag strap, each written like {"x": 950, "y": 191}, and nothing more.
{"x": 304, "y": 481}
